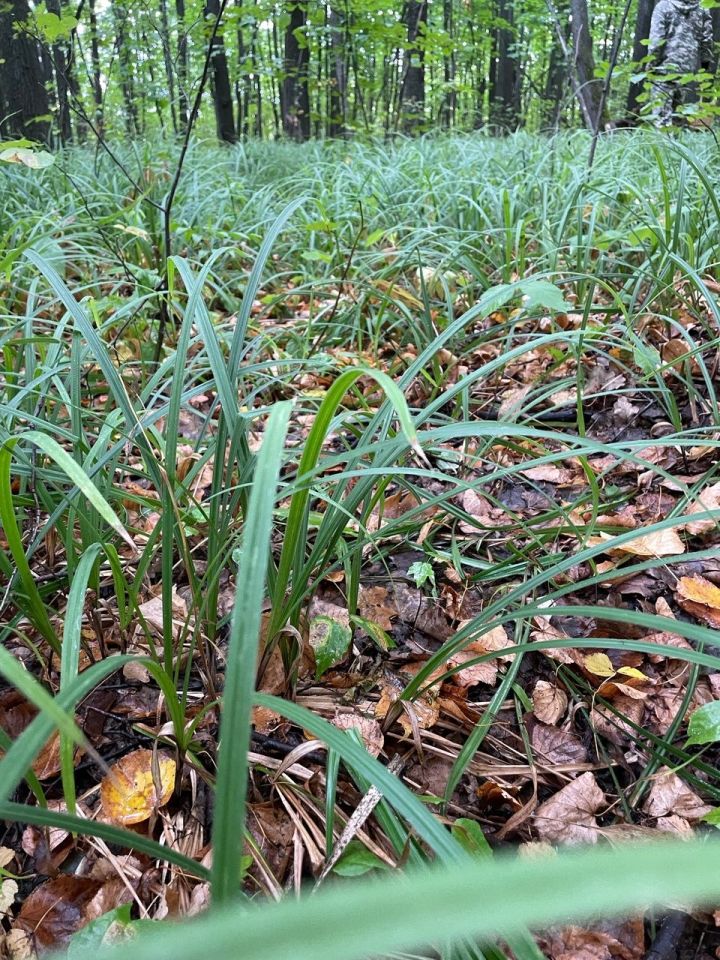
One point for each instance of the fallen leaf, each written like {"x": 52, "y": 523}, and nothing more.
{"x": 496, "y": 639}
{"x": 129, "y": 794}
{"x": 56, "y": 909}
{"x": 369, "y": 730}
{"x": 671, "y": 795}
{"x": 700, "y": 598}
{"x": 375, "y": 604}
{"x": 549, "y": 702}
{"x": 8, "y": 892}
{"x": 599, "y": 664}
{"x": 659, "y": 543}
{"x": 556, "y": 746}
{"x": 709, "y": 499}
{"x": 330, "y": 641}
{"x": 569, "y": 816}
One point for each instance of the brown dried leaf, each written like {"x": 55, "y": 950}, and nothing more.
{"x": 375, "y": 604}
{"x": 549, "y": 702}
{"x": 495, "y": 639}
{"x": 569, "y": 816}
{"x": 129, "y": 794}
{"x": 671, "y": 795}
{"x": 709, "y": 499}
{"x": 55, "y": 910}
{"x": 659, "y": 543}
{"x": 555, "y": 746}
{"x": 369, "y": 730}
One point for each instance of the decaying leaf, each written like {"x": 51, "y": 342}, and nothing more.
{"x": 700, "y": 598}
{"x": 8, "y": 892}
{"x": 369, "y": 730}
{"x": 671, "y": 795}
{"x": 486, "y": 672}
{"x": 330, "y": 641}
{"x": 549, "y": 702}
{"x": 569, "y": 816}
{"x": 56, "y": 909}
{"x": 129, "y": 793}
{"x": 658, "y": 543}
{"x": 709, "y": 499}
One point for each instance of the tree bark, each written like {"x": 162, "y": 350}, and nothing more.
{"x": 25, "y": 101}
{"x": 449, "y": 103}
{"x": 589, "y": 88}
{"x": 504, "y": 75}
{"x": 182, "y": 61}
{"x": 338, "y": 75}
{"x": 640, "y": 50}
{"x": 295, "y": 92}
{"x": 167, "y": 61}
{"x": 95, "y": 61}
{"x": 61, "y": 69}
{"x": 220, "y": 77}
{"x": 412, "y": 91}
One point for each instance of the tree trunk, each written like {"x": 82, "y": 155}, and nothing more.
{"x": 182, "y": 61}
{"x": 167, "y": 61}
{"x": 450, "y": 96}
{"x": 61, "y": 67}
{"x": 295, "y": 93}
{"x": 120, "y": 16}
{"x": 25, "y": 100}
{"x": 555, "y": 83}
{"x": 504, "y": 84}
{"x": 640, "y": 50}
{"x": 412, "y": 91}
{"x": 338, "y": 75}
{"x": 95, "y": 61}
{"x": 220, "y": 77}
{"x": 589, "y": 89}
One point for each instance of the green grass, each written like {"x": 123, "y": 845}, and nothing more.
{"x": 361, "y": 309}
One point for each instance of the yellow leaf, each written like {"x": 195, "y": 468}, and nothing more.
{"x": 632, "y": 672}
{"x": 129, "y": 793}
{"x": 599, "y": 664}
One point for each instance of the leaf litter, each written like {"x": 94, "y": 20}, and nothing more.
{"x": 569, "y": 755}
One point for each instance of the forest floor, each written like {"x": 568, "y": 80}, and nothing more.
{"x": 504, "y": 587}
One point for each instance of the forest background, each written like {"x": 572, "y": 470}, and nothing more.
{"x": 313, "y": 69}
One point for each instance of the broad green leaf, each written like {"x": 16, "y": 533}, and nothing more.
{"x": 469, "y": 835}
{"x": 330, "y": 641}
{"x": 357, "y": 860}
{"x": 91, "y": 937}
{"x": 542, "y": 293}
{"x": 29, "y": 158}
{"x": 704, "y": 725}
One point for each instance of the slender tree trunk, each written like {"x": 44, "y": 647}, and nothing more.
{"x": 295, "y": 92}
{"x": 412, "y": 91}
{"x": 25, "y": 100}
{"x": 555, "y": 82}
{"x": 449, "y": 104}
{"x": 61, "y": 69}
{"x": 220, "y": 77}
{"x": 589, "y": 88}
{"x": 640, "y": 50}
{"x": 338, "y": 74}
{"x": 182, "y": 61}
{"x": 167, "y": 61}
{"x": 504, "y": 71}
{"x": 125, "y": 66}
{"x": 95, "y": 62}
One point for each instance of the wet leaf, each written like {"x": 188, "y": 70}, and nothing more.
{"x": 55, "y": 910}
{"x": 129, "y": 794}
{"x": 330, "y": 641}
{"x": 704, "y": 725}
